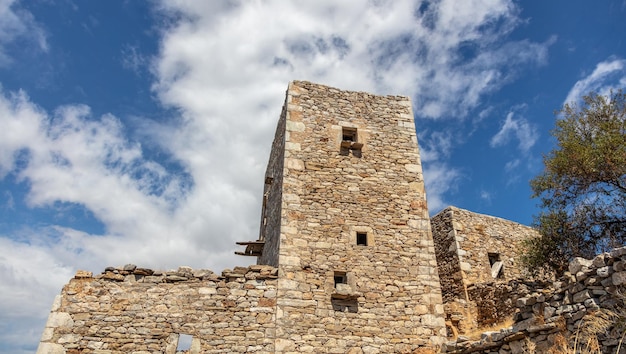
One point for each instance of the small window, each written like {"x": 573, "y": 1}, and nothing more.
{"x": 349, "y": 141}
{"x": 340, "y": 278}
{"x": 345, "y": 305}
{"x": 361, "y": 238}
{"x": 349, "y": 134}
{"x": 496, "y": 265}
{"x": 184, "y": 342}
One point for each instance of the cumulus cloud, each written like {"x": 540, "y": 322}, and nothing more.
{"x": 608, "y": 75}
{"x": 515, "y": 128}
{"x": 223, "y": 67}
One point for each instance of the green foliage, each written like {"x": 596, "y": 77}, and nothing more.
{"x": 583, "y": 186}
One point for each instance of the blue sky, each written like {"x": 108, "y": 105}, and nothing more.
{"x": 138, "y": 132}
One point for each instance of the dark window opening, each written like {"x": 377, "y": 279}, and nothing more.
{"x": 340, "y": 278}
{"x": 496, "y": 265}
{"x": 345, "y": 305}
{"x": 349, "y": 134}
{"x": 361, "y": 238}
{"x": 349, "y": 142}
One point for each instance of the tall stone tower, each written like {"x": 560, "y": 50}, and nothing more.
{"x": 345, "y": 221}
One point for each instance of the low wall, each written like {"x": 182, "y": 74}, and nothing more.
{"x": 585, "y": 310}
{"x": 138, "y": 310}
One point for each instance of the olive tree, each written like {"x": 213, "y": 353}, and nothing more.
{"x": 582, "y": 188}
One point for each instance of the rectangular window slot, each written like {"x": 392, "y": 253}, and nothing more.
{"x": 340, "y": 278}
{"x": 350, "y": 142}
{"x": 496, "y": 265}
{"x": 345, "y": 305}
{"x": 361, "y": 238}
{"x": 184, "y": 342}
{"x": 349, "y": 134}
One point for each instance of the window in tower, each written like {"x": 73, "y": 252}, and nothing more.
{"x": 340, "y": 278}
{"x": 345, "y": 305}
{"x": 349, "y": 140}
{"x": 361, "y": 238}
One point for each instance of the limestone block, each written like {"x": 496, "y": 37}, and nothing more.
{"x": 292, "y": 146}
{"x": 282, "y": 345}
{"x": 59, "y": 319}
{"x": 578, "y": 264}
{"x": 295, "y": 126}
{"x": 50, "y": 348}
{"x": 603, "y": 271}
{"x": 294, "y": 164}
{"x": 465, "y": 266}
{"x": 619, "y": 278}
{"x": 413, "y": 168}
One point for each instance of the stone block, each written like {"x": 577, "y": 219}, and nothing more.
{"x": 618, "y": 278}
{"x": 578, "y": 264}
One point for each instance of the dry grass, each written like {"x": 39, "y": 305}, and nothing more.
{"x": 476, "y": 334}
{"x": 586, "y": 337}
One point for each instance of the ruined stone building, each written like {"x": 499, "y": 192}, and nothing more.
{"x": 478, "y": 263}
{"x": 346, "y": 255}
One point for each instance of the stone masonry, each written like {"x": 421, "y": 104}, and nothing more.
{"x": 582, "y": 312}
{"x": 346, "y": 256}
{"x": 141, "y": 311}
{"x": 346, "y": 222}
{"x": 478, "y": 261}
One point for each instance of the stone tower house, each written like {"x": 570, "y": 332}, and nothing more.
{"x": 345, "y": 221}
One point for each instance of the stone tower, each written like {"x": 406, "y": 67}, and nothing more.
{"x": 345, "y": 221}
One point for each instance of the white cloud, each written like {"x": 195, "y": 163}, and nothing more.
{"x": 434, "y": 145}
{"x": 225, "y": 68}
{"x": 486, "y": 196}
{"x": 440, "y": 179}
{"x": 608, "y": 75}
{"x": 17, "y": 23}
{"x": 519, "y": 128}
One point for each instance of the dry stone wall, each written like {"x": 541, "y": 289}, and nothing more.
{"x": 137, "y": 310}
{"x": 585, "y": 311}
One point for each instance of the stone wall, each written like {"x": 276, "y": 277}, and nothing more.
{"x": 357, "y": 271}
{"x": 271, "y": 216}
{"x": 480, "y": 241}
{"x": 585, "y": 311}
{"x": 448, "y": 260}
{"x": 137, "y": 310}
{"x": 480, "y": 274}
{"x": 476, "y": 241}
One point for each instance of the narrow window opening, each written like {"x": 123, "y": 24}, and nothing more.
{"x": 349, "y": 134}
{"x": 184, "y": 343}
{"x": 361, "y": 238}
{"x": 345, "y": 305}
{"x": 350, "y": 142}
{"x": 340, "y": 278}
{"x": 496, "y": 265}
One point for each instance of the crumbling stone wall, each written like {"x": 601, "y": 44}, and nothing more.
{"x": 357, "y": 271}
{"x": 448, "y": 253}
{"x": 137, "y": 310}
{"x": 471, "y": 239}
{"x": 585, "y": 311}
{"x": 480, "y": 274}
